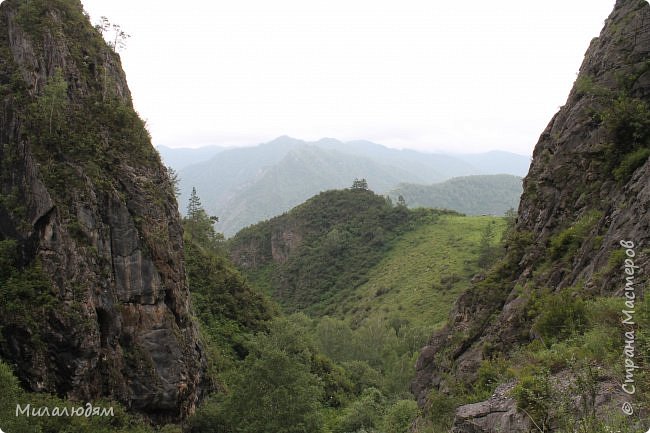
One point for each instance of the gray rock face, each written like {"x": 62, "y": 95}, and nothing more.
{"x": 570, "y": 178}
{"x": 105, "y": 232}
{"x": 498, "y": 414}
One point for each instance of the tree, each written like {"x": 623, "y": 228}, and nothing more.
{"x": 199, "y": 225}
{"x": 360, "y": 184}
{"x": 54, "y": 100}
{"x": 274, "y": 390}
{"x": 364, "y": 413}
{"x": 194, "y": 205}
{"x": 486, "y": 250}
{"x": 401, "y": 201}
{"x": 116, "y": 40}
{"x": 175, "y": 181}
{"x": 400, "y": 416}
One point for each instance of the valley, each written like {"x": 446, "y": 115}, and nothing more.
{"x": 346, "y": 287}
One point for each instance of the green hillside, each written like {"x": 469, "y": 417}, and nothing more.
{"x": 471, "y": 195}
{"x": 419, "y": 278}
{"x": 317, "y": 253}
{"x": 353, "y": 254}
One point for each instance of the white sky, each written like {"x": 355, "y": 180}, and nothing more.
{"x": 455, "y": 76}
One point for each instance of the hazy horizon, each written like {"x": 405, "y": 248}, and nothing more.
{"x": 440, "y": 151}
{"x": 435, "y": 76}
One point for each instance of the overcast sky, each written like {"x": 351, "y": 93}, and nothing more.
{"x": 456, "y": 76}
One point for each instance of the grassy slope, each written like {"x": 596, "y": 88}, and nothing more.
{"x": 421, "y": 276}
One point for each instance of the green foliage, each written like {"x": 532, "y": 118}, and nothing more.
{"x": 273, "y": 390}
{"x": 54, "y": 100}
{"x": 80, "y": 131}
{"x": 628, "y": 120}
{"x": 559, "y": 315}
{"x": 440, "y": 410}
{"x": 491, "y": 373}
{"x": 625, "y": 117}
{"x": 567, "y": 242}
{"x": 534, "y": 396}
{"x": 199, "y": 226}
{"x": 630, "y": 163}
{"x": 337, "y": 382}
{"x": 26, "y": 295}
{"x": 585, "y": 86}
{"x": 365, "y": 413}
{"x": 362, "y": 375}
{"x": 228, "y": 309}
{"x": 223, "y": 301}
{"x": 335, "y": 338}
{"x": 400, "y": 416}
{"x": 488, "y": 252}
{"x": 175, "y": 180}
{"x": 34, "y": 18}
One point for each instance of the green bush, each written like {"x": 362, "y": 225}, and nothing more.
{"x": 628, "y": 120}
{"x": 400, "y": 416}
{"x": 561, "y": 315}
{"x": 534, "y": 396}
{"x": 362, "y": 375}
{"x": 491, "y": 373}
{"x": 568, "y": 241}
{"x": 365, "y": 413}
{"x": 630, "y": 163}
{"x": 441, "y": 409}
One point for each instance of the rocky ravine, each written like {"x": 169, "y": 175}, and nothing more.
{"x": 87, "y": 201}
{"x": 575, "y": 178}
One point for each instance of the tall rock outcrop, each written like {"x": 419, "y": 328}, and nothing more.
{"x": 95, "y": 301}
{"x": 588, "y": 188}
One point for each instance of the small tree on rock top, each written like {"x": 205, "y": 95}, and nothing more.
{"x": 198, "y": 224}
{"x": 360, "y": 184}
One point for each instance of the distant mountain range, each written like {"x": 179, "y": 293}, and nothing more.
{"x": 472, "y": 195}
{"x": 248, "y": 184}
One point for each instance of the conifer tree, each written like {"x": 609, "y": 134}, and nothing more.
{"x": 199, "y": 225}
{"x": 194, "y": 206}
{"x": 360, "y": 184}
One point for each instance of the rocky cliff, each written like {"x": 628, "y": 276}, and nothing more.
{"x": 588, "y": 188}
{"x": 94, "y": 294}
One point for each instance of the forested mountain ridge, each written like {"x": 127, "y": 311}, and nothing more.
{"x": 302, "y": 172}
{"x": 317, "y": 249}
{"x": 94, "y": 301}
{"x": 324, "y": 255}
{"x": 247, "y": 185}
{"x": 471, "y": 195}
{"x": 537, "y": 343}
